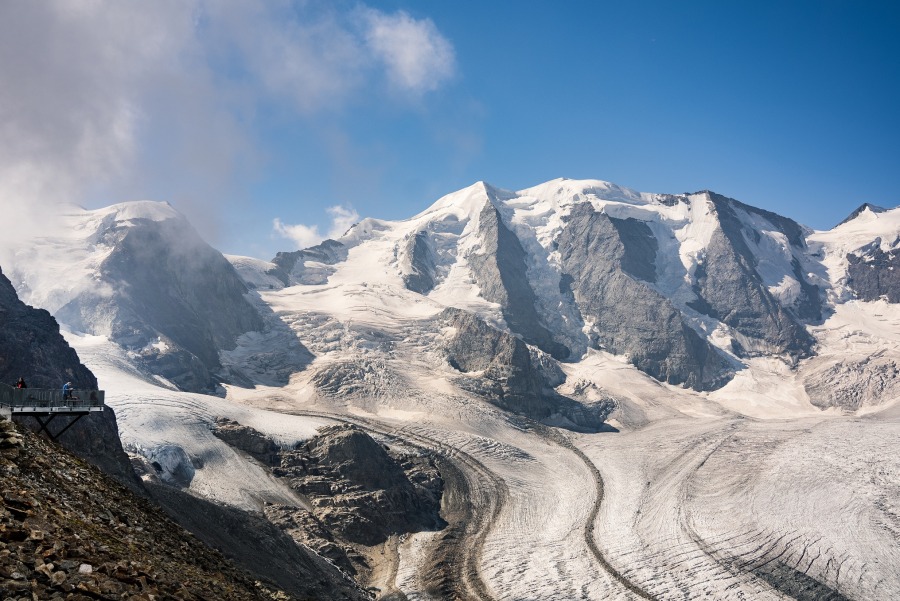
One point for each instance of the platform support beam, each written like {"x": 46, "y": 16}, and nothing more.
{"x": 45, "y": 423}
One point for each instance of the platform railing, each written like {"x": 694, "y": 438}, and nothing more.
{"x": 36, "y": 400}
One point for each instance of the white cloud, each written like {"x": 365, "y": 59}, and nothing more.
{"x": 305, "y": 54}
{"x": 417, "y": 57}
{"x": 96, "y": 97}
{"x": 305, "y": 236}
{"x": 101, "y": 100}
{"x": 342, "y": 219}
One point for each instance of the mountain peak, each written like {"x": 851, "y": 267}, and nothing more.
{"x": 143, "y": 209}
{"x": 468, "y": 201}
{"x": 563, "y": 187}
{"x": 873, "y": 209}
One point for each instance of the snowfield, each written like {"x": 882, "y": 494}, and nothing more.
{"x": 757, "y": 490}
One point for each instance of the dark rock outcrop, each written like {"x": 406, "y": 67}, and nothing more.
{"x": 639, "y": 248}
{"x": 307, "y": 530}
{"x": 873, "y": 273}
{"x": 247, "y": 439}
{"x": 605, "y": 261}
{"x": 501, "y": 272}
{"x": 361, "y": 492}
{"x": 168, "y": 296}
{"x": 508, "y": 376}
{"x": 421, "y": 277}
{"x": 293, "y": 267}
{"x": 31, "y": 347}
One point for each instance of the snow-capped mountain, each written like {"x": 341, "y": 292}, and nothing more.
{"x": 691, "y": 289}
{"x": 463, "y": 332}
{"x": 139, "y": 274}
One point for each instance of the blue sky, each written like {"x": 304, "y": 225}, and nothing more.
{"x": 314, "y": 113}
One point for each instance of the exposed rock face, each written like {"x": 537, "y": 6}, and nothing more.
{"x": 639, "y": 248}
{"x": 852, "y": 384}
{"x": 731, "y": 290}
{"x": 69, "y": 531}
{"x": 421, "y": 278}
{"x": 502, "y": 275}
{"x": 32, "y": 347}
{"x": 509, "y": 377}
{"x": 874, "y": 273}
{"x": 311, "y": 265}
{"x": 247, "y": 439}
{"x": 359, "y": 491}
{"x": 305, "y": 529}
{"x": 604, "y": 262}
{"x": 168, "y": 296}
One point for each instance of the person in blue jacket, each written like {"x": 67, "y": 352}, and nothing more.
{"x": 67, "y": 391}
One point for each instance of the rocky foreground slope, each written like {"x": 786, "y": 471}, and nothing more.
{"x": 71, "y": 532}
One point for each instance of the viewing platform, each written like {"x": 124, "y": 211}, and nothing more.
{"x": 40, "y": 403}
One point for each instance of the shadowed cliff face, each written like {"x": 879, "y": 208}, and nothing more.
{"x": 502, "y": 275}
{"x": 175, "y": 301}
{"x": 873, "y": 273}
{"x": 32, "y": 347}
{"x": 422, "y": 265}
{"x": 731, "y": 290}
{"x": 607, "y": 264}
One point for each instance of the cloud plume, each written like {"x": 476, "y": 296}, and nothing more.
{"x": 103, "y": 101}
{"x": 305, "y": 236}
{"x": 416, "y": 56}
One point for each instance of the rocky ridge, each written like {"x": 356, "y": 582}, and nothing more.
{"x": 608, "y": 269}
{"x": 359, "y": 492}
{"x": 32, "y": 347}
{"x": 309, "y": 266}
{"x": 501, "y": 369}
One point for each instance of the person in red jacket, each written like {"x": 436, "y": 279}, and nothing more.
{"x": 21, "y": 383}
